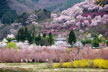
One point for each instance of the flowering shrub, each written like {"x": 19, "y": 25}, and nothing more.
{"x": 82, "y": 63}
{"x": 67, "y": 65}
{"x": 96, "y": 63}
{"x": 99, "y": 63}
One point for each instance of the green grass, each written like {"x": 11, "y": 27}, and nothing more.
{"x": 42, "y": 67}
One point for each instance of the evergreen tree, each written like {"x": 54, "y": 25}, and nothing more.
{"x": 44, "y": 35}
{"x": 9, "y": 17}
{"x": 95, "y": 42}
{"x": 72, "y": 38}
{"x": 22, "y": 18}
{"x": 50, "y": 39}
{"x": 38, "y": 39}
{"x": 24, "y": 34}
{"x": 27, "y": 35}
{"x": 20, "y": 35}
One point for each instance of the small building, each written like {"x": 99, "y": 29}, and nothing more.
{"x": 61, "y": 41}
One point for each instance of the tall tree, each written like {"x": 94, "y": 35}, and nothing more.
{"x": 50, "y": 39}
{"x": 24, "y": 34}
{"x": 72, "y": 38}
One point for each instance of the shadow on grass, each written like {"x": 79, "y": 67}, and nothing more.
{"x": 14, "y": 70}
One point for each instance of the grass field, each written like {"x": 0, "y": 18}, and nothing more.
{"x": 42, "y": 67}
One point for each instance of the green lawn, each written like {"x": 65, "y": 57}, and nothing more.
{"x": 42, "y": 67}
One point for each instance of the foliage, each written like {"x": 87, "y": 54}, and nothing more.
{"x": 102, "y": 2}
{"x": 3, "y": 7}
{"x": 24, "y": 34}
{"x": 82, "y": 63}
{"x": 12, "y": 45}
{"x": 96, "y": 63}
{"x": 36, "y": 1}
{"x": 95, "y": 42}
{"x": 72, "y": 38}
{"x": 100, "y": 63}
{"x": 86, "y": 41}
{"x": 67, "y": 65}
{"x": 68, "y": 4}
{"x": 43, "y": 14}
{"x": 22, "y": 18}
{"x": 10, "y": 39}
{"x": 106, "y": 41}
{"x": 7, "y": 15}
{"x": 50, "y": 39}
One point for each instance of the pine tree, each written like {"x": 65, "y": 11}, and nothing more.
{"x": 24, "y": 34}
{"x": 72, "y": 38}
{"x": 44, "y": 35}
{"x": 50, "y": 39}
{"x": 95, "y": 42}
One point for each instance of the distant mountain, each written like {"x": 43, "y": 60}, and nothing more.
{"x": 30, "y": 5}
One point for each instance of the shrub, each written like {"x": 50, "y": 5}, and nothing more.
{"x": 10, "y": 39}
{"x": 86, "y": 41}
{"x": 12, "y": 45}
{"x": 56, "y": 65}
{"x": 95, "y": 43}
{"x": 99, "y": 63}
{"x": 84, "y": 63}
{"x": 106, "y": 66}
{"x": 67, "y": 65}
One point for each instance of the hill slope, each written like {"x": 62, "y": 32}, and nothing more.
{"x": 30, "y": 5}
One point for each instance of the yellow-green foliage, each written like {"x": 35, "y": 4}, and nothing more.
{"x": 100, "y": 63}
{"x": 67, "y": 65}
{"x": 97, "y": 63}
{"x": 12, "y": 45}
{"x": 82, "y": 63}
{"x": 106, "y": 66}
{"x": 56, "y": 66}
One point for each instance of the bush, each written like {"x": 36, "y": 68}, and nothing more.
{"x": 97, "y": 63}
{"x": 67, "y": 65}
{"x": 56, "y": 66}
{"x": 86, "y": 41}
{"x": 12, "y": 45}
{"x": 82, "y": 63}
{"x": 10, "y": 39}
{"x": 95, "y": 42}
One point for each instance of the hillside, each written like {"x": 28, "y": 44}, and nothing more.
{"x": 30, "y": 5}
{"x": 87, "y": 16}
{"x": 83, "y": 16}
